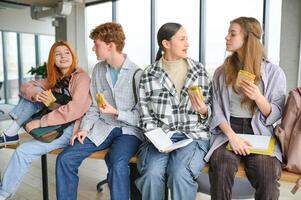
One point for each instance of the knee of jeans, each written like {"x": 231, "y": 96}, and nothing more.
{"x": 64, "y": 159}
{"x": 118, "y": 165}
{"x": 179, "y": 174}
{"x": 154, "y": 174}
{"x": 23, "y": 150}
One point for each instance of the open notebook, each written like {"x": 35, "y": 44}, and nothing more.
{"x": 163, "y": 143}
{"x": 261, "y": 144}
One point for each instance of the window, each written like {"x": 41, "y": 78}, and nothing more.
{"x": 11, "y": 54}
{"x": 1, "y": 60}
{"x": 96, "y": 15}
{"x": 28, "y": 54}
{"x": 186, "y": 13}
{"x": 217, "y": 24}
{"x": 1, "y": 71}
{"x": 273, "y": 30}
{"x": 137, "y": 29}
{"x": 45, "y": 43}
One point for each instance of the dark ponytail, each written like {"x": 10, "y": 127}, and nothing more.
{"x": 159, "y": 54}
{"x": 166, "y": 32}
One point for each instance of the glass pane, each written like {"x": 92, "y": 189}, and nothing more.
{"x": 273, "y": 43}
{"x": 1, "y": 59}
{"x": 12, "y": 85}
{"x": 45, "y": 43}
{"x": 217, "y": 24}
{"x": 186, "y": 13}
{"x": 1, "y": 71}
{"x": 137, "y": 44}
{"x": 28, "y": 54}
{"x": 96, "y": 15}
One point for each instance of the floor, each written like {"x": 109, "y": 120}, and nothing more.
{"x": 90, "y": 173}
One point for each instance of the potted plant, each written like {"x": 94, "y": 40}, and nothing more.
{"x": 39, "y": 72}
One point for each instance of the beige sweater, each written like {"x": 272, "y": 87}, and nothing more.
{"x": 177, "y": 72}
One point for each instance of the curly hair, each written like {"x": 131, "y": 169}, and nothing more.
{"x": 109, "y": 32}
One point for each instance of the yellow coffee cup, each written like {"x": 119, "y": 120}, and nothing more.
{"x": 197, "y": 91}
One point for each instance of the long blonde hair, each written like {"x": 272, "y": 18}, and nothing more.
{"x": 252, "y": 55}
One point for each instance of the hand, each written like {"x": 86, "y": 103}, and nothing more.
{"x": 198, "y": 104}
{"x": 81, "y": 135}
{"x": 250, "y": 90}
{"x": 32, "y": 125}
{"x": 108, "y": 108}
{"x": 239, "y": 145}
{"x": 43, "y": 97}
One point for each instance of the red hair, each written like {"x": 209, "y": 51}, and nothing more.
{"x": 53, "y": 72}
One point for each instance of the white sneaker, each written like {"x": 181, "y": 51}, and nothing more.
{"x": 2, "y": 197}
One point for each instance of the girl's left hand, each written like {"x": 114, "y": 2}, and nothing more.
{"x": 250, "y": 90}
{"x": 197, "y": 104}
{"x": 32, "y": 125}
{"x": 108, "y": 108}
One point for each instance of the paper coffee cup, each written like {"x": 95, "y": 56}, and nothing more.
{"x": 244, "y": 75}
{"x": 99, "y": 99}
{"x": 197, "y": 91}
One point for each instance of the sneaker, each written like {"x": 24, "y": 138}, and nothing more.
{"x": 2, "y": 198}
{"x": 8, "y": 140}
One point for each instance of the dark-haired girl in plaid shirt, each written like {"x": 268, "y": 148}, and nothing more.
{"x": 166, "y": 104}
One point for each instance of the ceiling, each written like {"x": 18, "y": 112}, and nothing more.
{"x": 46, "y": 3}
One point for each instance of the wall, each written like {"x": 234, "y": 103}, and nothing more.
{"x": 19, "y": 20}
{"x": 290, "y": 41}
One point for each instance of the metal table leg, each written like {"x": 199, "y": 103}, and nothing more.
{"x": 44, "y": 177}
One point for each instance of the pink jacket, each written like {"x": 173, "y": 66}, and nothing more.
{"x": 74, "y": 110}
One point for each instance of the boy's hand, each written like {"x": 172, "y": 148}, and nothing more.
{"x": 108, "y": 108}
{"x": 81, "y": 135}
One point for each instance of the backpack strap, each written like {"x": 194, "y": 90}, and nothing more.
{"x": 134, "y": 84}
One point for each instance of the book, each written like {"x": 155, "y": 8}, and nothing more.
{"x": 261, "y": 144}
{"x": 163, "y": 143}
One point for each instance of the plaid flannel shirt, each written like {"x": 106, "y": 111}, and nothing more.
{"x": 161, "y": 107}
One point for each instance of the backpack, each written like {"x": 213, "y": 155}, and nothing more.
{"x": 289, "y": 134}
{"x": 134, "y": 83}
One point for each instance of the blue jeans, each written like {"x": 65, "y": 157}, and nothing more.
{"x": 179, "y": 168}
{"x": 28, "y": 151}
{"x": 24, "y": 110}
{"x": 122, "y": 148}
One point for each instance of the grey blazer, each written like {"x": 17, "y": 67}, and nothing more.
{"x": 274, "y": 89}
{"x": 121, "y": 97}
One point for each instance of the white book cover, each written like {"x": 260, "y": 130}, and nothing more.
{"x": 260, "y": 142}
{"x": 163, "y": 143}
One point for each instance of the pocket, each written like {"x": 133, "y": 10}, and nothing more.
{"x": 197, "y": 162}
{"x": 142, "y": 154}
